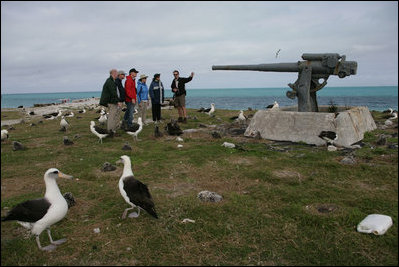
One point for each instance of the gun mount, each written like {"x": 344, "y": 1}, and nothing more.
{"x": 314, "y": 68}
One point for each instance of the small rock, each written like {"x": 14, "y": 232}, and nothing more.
{"x": 96, "y": 230}
{"x": 348, "y": 160}
{"x": 201, "y": 125}
{"x": 229, "y": 145}
{"x": 179, "y": 146}
{"x": 179, "y": 139}
{"x": 107, "y": 167}
{"x": 11, "y": 128}
{"x": 393, "y": 146}
{"x": 76, "y": 136}
{"x": 216, "y": 134}
{"x": 332, "y": 148}
{"x": 208, "y": 196}
{"x": 382, "y": 140}
{"x": 187, "y": 220}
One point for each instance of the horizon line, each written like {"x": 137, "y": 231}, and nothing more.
{"x": 195, "y": 89}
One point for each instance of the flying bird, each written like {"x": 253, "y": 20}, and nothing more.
{"x": 97, "y": 131}
{"x": 39, "y": 214}
{"x": 134, "y": 192}
{"x": 278, "y": 52}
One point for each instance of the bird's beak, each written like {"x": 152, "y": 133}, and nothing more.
{"x": 63, "y": 175}
{"x": 119, "y": 161}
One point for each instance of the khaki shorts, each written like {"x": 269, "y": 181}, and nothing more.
{"x": 180, "y": 101}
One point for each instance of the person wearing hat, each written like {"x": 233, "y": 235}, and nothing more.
{"x": 110, "y": 98}
{"x": 130, "y": 98}
{"x": 157, "y": 95}
{"x": 142, "y": 96}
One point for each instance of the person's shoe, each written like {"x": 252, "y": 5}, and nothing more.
{"x": 185, "y": 120}
{"x": 180, "y": 119}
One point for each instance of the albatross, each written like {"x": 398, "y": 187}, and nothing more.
{"x": 328, "y": 136}
{"x": 63, "y": 123}
{"x": 273, "y": 106}
{"x": 134, "y": 192}
{"x": 39, "y": 214}
{"x": 97, "y": 131}
{"x": 212, "y": 110}
{"x": 4, "y": 135}
{"x": 135, "y": 131}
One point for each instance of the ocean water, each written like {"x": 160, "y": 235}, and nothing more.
{"x": 374, "y": 97}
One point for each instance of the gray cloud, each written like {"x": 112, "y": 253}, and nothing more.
{"x": 70, "y": 46}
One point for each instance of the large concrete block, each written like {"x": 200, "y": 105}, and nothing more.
{"x": 286, "y": 124}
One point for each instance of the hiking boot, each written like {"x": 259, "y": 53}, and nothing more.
{"x": 185, "y": 120}
{"x": 180, "y": 119}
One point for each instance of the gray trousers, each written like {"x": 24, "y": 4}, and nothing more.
{"x": 114, "y": 120}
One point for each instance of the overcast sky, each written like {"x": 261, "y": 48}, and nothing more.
{"x": 71, "y": 46}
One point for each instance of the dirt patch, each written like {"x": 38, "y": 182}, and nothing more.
{"x": 288, "y": 174}
{"x": 323, "y": 209}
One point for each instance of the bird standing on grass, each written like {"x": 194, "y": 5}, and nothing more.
{"x": 212, "y": 110}
{"x": 97, "y": 131}
{"x": 134, "y": 133}
{"x": 134, "y": 192}
{"x": 39, "y": 214}
{"x": 64, "y": 124}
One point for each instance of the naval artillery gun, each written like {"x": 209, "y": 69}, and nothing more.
{"x": 314, "y": 68}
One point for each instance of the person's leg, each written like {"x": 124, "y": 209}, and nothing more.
{"x": 158, "y": 112}
{"x": 112, "y": 117}
{"x": 183, "y": 102}
{"x": 154, "y": 112}
{"x": 126, "y": 116}
{"x": 145, "y": 104}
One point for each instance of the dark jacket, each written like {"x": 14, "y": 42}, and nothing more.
{"x": 157, "y": 92}
{"x": 182, "y": 88}
{"x": 121, "y": 89}
{"x": 109, "y": 95}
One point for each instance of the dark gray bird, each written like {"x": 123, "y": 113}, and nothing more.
{"x": 173, "y": 128}
{"x": 17, "y": 146}
{"x": 67, "y": 142}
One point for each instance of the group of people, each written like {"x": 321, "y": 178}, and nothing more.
{"x": 115, "y": 93}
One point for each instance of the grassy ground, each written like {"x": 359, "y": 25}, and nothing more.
{"x": 269, "y": 214}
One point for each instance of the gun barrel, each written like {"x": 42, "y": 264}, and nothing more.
{"x": 277, "y": 67}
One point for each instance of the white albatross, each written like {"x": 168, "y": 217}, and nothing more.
{"x": 274, "y": 106}
{"x": 97, "y": 131}
{"x": 39, "y": 214}
{"x": 212, "y": 110}
{"x": 63, "y": 123}
{"x": 4, "y": 135}
{"x": 134, "y": 192}
{"x": 136, "y": 133}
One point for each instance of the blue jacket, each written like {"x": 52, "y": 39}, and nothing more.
{"x": 142, "y": 92}
{"x": 157, "y": 92}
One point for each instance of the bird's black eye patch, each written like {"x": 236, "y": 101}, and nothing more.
{"x": 55, "y": 172}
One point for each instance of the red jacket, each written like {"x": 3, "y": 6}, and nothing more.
{"x": 130, "y": 88}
